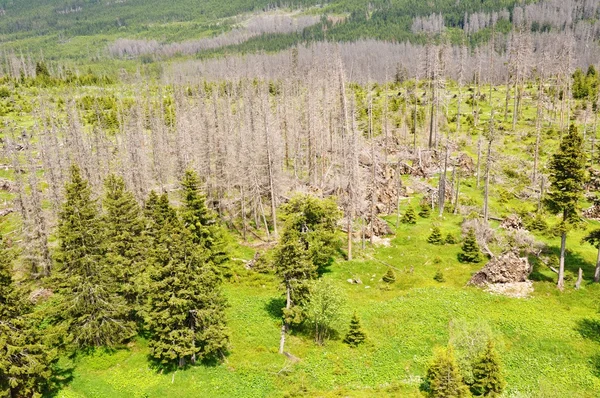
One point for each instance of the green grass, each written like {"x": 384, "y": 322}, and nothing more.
{"x": 540, "y": 339}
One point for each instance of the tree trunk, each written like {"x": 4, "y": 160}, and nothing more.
{"x": 579, "y": 279}
{"x": 486, "y": 193}
{"x": 288, "y": 303}
{"x": 561, "y": 269}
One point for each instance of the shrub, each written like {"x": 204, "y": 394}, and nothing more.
{"x": 389, "y": 277}
{"x": 439, "y": 276}
{"x": 425, "y": 212}
{"x": 450, "y": 239}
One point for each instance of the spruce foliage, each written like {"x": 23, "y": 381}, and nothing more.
{"x": 201, "y": 221}
{"x": 25, "y": 363}
{"x": 567, "y": 177}
{"x": 89, "y": 306}
{"x": 389, "y": 277}
{"x": 425, "y": 212}
{"x": 436, "y": 236}
{"x": 315, "y": 220}
{"x": 470, "y": 249}
{"x": 487, "y": 373}
{"x": 185, "y": 314}
{"x": 409, "y": 216}
{"x": 443, "y": 379}
{"x": 450, "y": 239}
{"x": 294, "y": 266}
{"x": 124, "y": 239}
{"x": 356, "y": 334}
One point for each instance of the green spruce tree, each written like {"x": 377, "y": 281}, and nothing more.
{"x": 593, "y": 238}
{"x": 89, "y": 306}
{"x": 425, "y": 212}
{"x": 356, "y": 334}
{"x": 201, "y": 221}
{"x": 567, "y": 179}
{"x": 409, "y": 216}
{"x": 436, "y": 236}
{"x": 443, "y": 379}
{"x": 389, "y": 276}
{"x": 25, "y": 363}
{"x": 315, "y": 220}
{"x": 450, "y": 239}
{"x": 470, "y": 249}
{"x": 487, "y": 373}
{"x": 185, "y": 311}
{"x": 124, "y": 242}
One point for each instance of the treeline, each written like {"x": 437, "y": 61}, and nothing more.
{"x": 118, "y": 270}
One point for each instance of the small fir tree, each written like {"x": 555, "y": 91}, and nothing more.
{"x": 25, "y": 363}
{"x": 409, "y": 216}
{"x": 450, "y": 239}
{"x": 470, "y": 249}
{"x": 356, "y": 334}
{"x": 389, "y": 276}
{"x": 439, "y": 276}
{"x": 425, "y": 212}
{"x": 436, "y": 236}
{"x": 487, "y": 373}
{"x": 89, "y": 306}
{"x": 443, "y": 379}
{"x": 185, "y": 312}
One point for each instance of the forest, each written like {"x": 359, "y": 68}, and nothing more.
{"x": 344, "y": 198}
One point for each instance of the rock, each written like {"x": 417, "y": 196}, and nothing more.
{"x": 356, "y": 281}
{"x": 40, "y": 295}
{"x": 516, "y": 289}
{"x": 506, "y": 268}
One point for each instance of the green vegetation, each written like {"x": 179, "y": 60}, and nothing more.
{"x": 470, "y": 249}
{"x": 356, "y": 335}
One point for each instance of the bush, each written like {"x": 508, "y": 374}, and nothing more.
{"x": 439, "y": 276}
{"x": 450, "y": 239}
{"x": 389, "y": 277}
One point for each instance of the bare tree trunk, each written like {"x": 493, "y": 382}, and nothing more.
{"x": 538, "y": 130}
{"x": 442, "y": 184}
{"x": 561, "y": 269}
{"x": 284, "y": 327}
{"x": 579, "y": 279}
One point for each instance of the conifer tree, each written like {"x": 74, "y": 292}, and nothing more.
{"x": 25, "y": 363}
{"x": 487, "y": 373}
{"x": 389, "y": 277}
{"x": 356, "y": 334}
{"x": 89, "y": 306}
{"x": 593, "y": 238}
{"x": 315, "y": 220}
{"x": 567, "y": 178}
{"x": 201, "y": 221}
{"x": 450, "y": 239}
{"x": 409, "y": 216}
{"x": 185, "y": 312}
{"x": 443, "y": 379}
{"x": 436, "y": 236}
{"x": 124, "y": 239}
{"x": 470, "y": 249}
{"x": 425, "y": 212}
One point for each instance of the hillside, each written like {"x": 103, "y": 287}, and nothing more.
{"x": 250, "y": 199}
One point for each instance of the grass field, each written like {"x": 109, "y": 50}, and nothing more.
{"x": 549, "y": 342}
